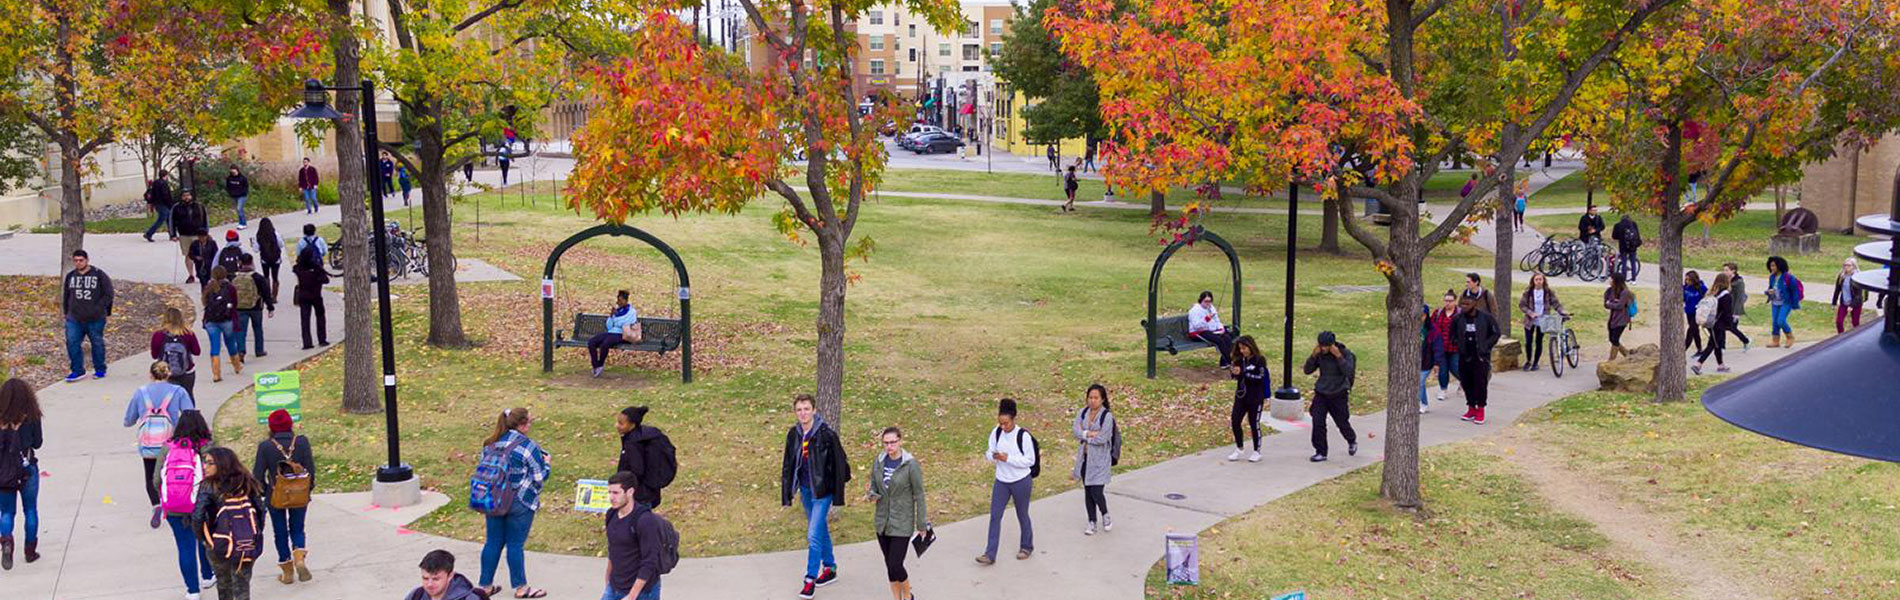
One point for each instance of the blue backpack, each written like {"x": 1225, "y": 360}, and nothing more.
{"x": 488, "y": 490}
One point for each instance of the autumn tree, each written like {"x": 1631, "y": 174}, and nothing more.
{"x": 684, "y": 128}
{"x": 1735, "y": 96}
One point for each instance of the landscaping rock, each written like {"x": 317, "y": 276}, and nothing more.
{"x": 1635, "y": 372}
{"x": 1508, "y": 355}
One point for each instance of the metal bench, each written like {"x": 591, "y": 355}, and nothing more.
{"x": 657, "y": 334}
{"x": 1170, "y": 335}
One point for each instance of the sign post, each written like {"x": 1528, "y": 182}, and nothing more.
{"x": 278, "y": 390}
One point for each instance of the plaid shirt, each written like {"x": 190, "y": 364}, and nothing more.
{"x": 527, "y": 468}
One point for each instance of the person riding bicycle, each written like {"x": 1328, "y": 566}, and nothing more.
{"x": 1590, "y": 226}
{"x": 1628, "y": 238}
{"x": 1543, "y": 313}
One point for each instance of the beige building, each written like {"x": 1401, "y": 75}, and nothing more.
{"x": 901, "y": 53}
{"x": 1851, "y": 184}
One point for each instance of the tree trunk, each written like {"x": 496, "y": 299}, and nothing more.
{"x": 831, "y": 290}
{"x": 1672, "y": 382}
{"x": 1505, "y": 256}
{"x": 72, "y": 200}
{"x": 1329, "y": 223}
{"x": 362, "y": 389}
{"x": 445, "y": 307}
{"x": 1399, "y": 480}
{"x": 1157, "y": 203}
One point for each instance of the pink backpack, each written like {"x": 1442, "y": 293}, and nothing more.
{"x": 178, "y": 493}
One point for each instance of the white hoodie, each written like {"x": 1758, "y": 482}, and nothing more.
{"x": 1016, "y": 463}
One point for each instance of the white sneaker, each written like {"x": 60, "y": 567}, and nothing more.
{"x": 1108, "y": 524}
{"x": 190, "y": 596}
{"x": 1090, "y": 530}
{"x": 1441, "y": 395}
{"x": 1235, "y": 455}
{"x": 1425, "y": 409}
{"x": 1255, "y": 457}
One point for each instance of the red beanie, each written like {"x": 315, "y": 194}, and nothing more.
{"x": 230, "y": 234}
{"x": 279, "y": 421}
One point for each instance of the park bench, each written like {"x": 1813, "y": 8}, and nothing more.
{"x": 657, "y": 334}
{"x": 1170, "y": 335}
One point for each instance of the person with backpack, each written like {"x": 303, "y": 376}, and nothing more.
{"x": 20, "y": 440}
{"x": 1250, "y": 374}
{"x": 178, "y": 480}
{"x": 175, "y": 344}
{"x": 1337, "y": 367}
{"x": 308, "y": 295}
{"x": 897, "y": 488}
{"x": 1476, "y": 334}
{"x": 1715, "y": 312}
{"x": 229, "y": 518}
{"x": 158, "y": 195}
{"x": 1018, "y": 461}
{"x": 637, "y": 545}
{"x": 1621, "y": 302}
{"x": 270, "y": 253}
{"x": 1475, "y": 290}
{"x": 1692, "y": 292}
{"x": 645, "y": 452}
{"x": 1737, "y": 299}
{"x": 254, "y": 302}
{"x": 816, "y": 468}
{"x": 285, "y": 469}
{"x": 441, "y": 582}
{"x": 506, "y": 489}
{"x": 1785, "y": 293}
{"x": 1099, "y": 451}
{"x": 231, "y": 254}
{"x": 310, "y": 239}
{"x": 220, "y": 302}
{"x": 1069, "y": 185}
{"x": 1521, "y": 194}
{"x": 238, "y": 187}
{"x": 402, "y": 180}
{"x": 1629, "y": 238}
{"x": 155, "y": 409}
{"x": 191, "y": 223}
{"x": 86, "y": 303}
{"x": 203, "y": 255}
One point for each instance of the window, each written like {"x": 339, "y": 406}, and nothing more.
{"x": 970, "y": 52}
{"x": 877, "y": 66}
{"x": 913, "y": 31}
{"x": 877, "y": 42}
{"x": 996, "y": 48}
{"x": 913, "y": 55}
{"x": 943, "y": 49}
{"x": 877, "y": 17}
{"x": 943, "y": 68}
{"x": 972, "y": 68}
{"x": 996, "y": 27}
{"x": 969, "y": 29}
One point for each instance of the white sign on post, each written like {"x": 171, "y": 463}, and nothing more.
{"x": 686, "y": 293}
{"x": 547, "y": 289}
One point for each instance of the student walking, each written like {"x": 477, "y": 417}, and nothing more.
{"x": 1785, "y": 293}
{"x": 310, "y": 239}
{"x": 1692, "y": 292}
{"x": 155, "y": 409}
{"x": 174, "y": 344}
{"x": 635, "y": 543}
{"x": 238, "y": 187}
{"x": 1538, "y": 304}
{"x": 524, "y": 469}
{"x": 1439, "y": 349}
{"x": 1475, "y": 290}
{"x": 647, "y": 453}
{"x": 1250, "y": 393}
{"x": 86, "y": 302}
{"x": 1094, "y": 429}
{"x": 1621, "y": 303}
{"x": 1476, "y": 333}
{"x": 897, "y": 488}
{"x": 622, "y": 317}
{"x": 254, "y": 301}
{"x": 158, "y": 195}
{"x": 269, "y": 249}
{"x": 1522, "y": 201}
{"x": 307, "y": 185}
{"x": 230, "y": 255}
{"x": 191, "y": 224}
{"x": 203, "y": 255}
{"x": 1204, "y": 324}
{"x": 1718, "y": 316}
{"x": 1332, "y": 392}
{"x": 178, "y": 485}
{"x": 1013, "y": 451}
{"x": 1629, "y": 238}
{"x": 402, "y": 180}
{"x": 230, "y": 521}
{"x": 387, "y": 169}
{"x": 308, "y": 295}
{"x": 220, "y": 302}
{"x": 1738, "y": 300}
{"x": 816, "y": 468}
{"x": 20, "y": 440}
{"x": 441, "y": 582}
{"x": 1054, "y": 163}
{"x": 1590, "y": 226}
{"x": 1069, "y": 185}
{"x": 1847, "y": 298}
{"x": 287, "y": 472}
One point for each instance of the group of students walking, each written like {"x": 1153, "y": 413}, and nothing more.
{"x": 1718, "y": 308}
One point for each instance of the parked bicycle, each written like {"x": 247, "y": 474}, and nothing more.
{"x": 407, "y": 254}
{"x": 1564, "y": 256}
{"x": 1561, "y": 341}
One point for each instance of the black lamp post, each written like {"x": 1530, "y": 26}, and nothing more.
{"x": 316, "y": 105}
{"x": 1838, "y": 395}
{"x": 1287, "y": 391}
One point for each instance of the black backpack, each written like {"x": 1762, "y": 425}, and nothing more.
{"x": 662, "y": 465}
{"x": 669, "y": 543}
{"x": 230, "y": 257}
{"x": 1035, "y": 469}
{"x": 16, "y": 461}
{"x": 175, "y": 354}
{"x": 1114, "y": 439}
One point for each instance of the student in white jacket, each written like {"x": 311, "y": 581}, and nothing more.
{"x": 1204, "y": 325}
{"x": 1013, "y": 451}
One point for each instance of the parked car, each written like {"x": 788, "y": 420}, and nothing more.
{"x": 909, "y": 139}
{"x": 936, "y": 142}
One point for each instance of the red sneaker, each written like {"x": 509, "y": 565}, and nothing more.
{"x": 1469, "y": 411}
{"x": 1479, "y": 419}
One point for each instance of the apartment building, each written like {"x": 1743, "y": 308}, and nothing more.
{"x": 901, "y": 53}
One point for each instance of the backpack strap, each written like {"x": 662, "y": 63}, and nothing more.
{"x": 162, "y": 406}
{"x": 1019, "y": 439}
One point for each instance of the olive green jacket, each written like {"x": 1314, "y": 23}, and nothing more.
{"x": 900, "y": 505}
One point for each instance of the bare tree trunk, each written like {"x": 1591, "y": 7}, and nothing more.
{"x": 72, "y": 200}
{"x": 1399, "y": 482}
{"x": 1157, "y": 203}
{"x": 831, "y": 292}
{"x": 362, "y": 389}
{"x": 1329, "y": 222}
{"x": 445, "y": 307}
{"x": 1502, "y": 261}
{"x": 1672, "y": 383}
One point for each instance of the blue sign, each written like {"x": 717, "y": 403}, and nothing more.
{"x": 1292, "y": 596}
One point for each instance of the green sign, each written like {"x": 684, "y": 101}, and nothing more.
{"x": 279, "y": 390}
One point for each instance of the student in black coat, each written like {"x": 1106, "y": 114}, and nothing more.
{"x": 308, "y": 295}
{"x": 645, "y": 452}
{"x": 816, "y": 470}
{"x": 1476, "y": 333}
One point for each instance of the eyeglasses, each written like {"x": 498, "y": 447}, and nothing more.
{"x": 890, "y": 442}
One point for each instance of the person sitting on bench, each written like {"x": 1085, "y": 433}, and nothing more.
{"x": 623, "y": 319}
{"x": 1204, "y": 324}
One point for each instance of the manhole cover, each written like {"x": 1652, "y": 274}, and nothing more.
{"x": 1353, "y": 289}
{"x": 1176, "y": 496}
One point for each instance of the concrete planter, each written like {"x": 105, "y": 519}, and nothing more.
{"x": 1286, "y": 410}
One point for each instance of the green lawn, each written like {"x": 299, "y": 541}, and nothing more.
{"x": 962, "y": 303}
{"x": 1489, "y": 535}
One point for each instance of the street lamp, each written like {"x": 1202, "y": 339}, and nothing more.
{"x": 1286, "y": 390}
{"x": 395, "y": 484}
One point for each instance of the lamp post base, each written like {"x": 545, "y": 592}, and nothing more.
{"x": 1286, "y": 404}
{"x": 388, "y": 491}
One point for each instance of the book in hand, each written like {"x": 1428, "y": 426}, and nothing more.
{"x": 923, "y": 542}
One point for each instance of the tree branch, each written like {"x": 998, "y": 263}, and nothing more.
{"x": 1353, "y": 229}
{"x": 1418, "y": 20}
{"x": 1575, "y": 78}
{"x": 484, "y": 14}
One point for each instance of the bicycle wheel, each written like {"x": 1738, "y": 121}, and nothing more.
{"x": 1556, "y": 343}
{"x": 333, "y": 262}
{"x": 398, "y": 264}
{"x": 1530, "y": 259}
{"x": 1592, "y": 267}
{"x": 1554, "y": 265}
{"x": 1571, "y": 349}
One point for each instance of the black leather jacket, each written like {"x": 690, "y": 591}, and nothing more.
{"x": 830, "y": 468}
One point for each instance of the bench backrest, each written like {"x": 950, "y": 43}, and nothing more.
{"x": 589, "y": 325}
{"x": 659, "y": 329}
{"x": 1175, "y": 327}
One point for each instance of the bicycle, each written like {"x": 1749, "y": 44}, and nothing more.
{"x": 1562, "y": 343}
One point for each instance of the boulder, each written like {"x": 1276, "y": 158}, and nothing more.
{"x": 1507, "y": 356}
{"x": 1635, "y": 372}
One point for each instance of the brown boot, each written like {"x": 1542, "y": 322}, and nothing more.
{"x": 285, "y": 577}
{"x": 1775, "y": 342}
{"x": 1790, "y": 343}
{"x": 237, "y": 364}
{"x": 217, "y": 369}
{"x": 296, "y": 559}
{"x": 32, "y": 551}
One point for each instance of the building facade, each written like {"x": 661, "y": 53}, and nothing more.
{"x": 1851, "y": 184}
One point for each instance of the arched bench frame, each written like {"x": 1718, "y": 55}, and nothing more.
{"x": 679, "y": 269}
{"x": 1154, "y": 284}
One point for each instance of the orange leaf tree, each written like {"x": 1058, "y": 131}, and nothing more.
{"x": 1734, "y": 96}
{"x": 688, "y": 128}
{"x": 1364, "y": 99}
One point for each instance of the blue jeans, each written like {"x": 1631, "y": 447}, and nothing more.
{"x": 164, "y": 219}
{"x": 651, "y": 593}
{"x": 239, "y": 203}
{"x": 1002, "y": 494}
{"x": 77, "y": 332}
{"x": 287, "y": 525}
{"x": 507, "y": 533}
{"x": 29, "y": 496}
{"x": 817, "y": 532}
{"x": 220, "y": 335}
{"x": 250, "y": 324}
{"x": 310, "y": 200}
{"x": 1424, "y": 383}
{"x": 1780, "y": 323}
{"x": 188, "y": 546}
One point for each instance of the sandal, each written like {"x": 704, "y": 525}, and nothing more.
{"x": 491, "y": 591}
{"x": 531, "y": 592}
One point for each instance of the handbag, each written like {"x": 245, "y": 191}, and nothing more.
{"x": 923, "y": 542}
